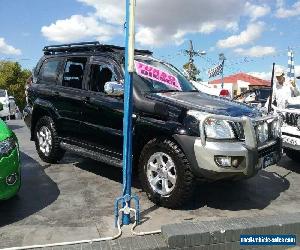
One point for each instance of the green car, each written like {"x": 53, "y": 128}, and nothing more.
{"x": 10, "y": 181}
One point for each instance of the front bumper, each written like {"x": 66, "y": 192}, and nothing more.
{"x": 10, "y": 165}
{"x": 291, "y": 137}
{"x": 252, "y": 159}
{"x": 4, "y": 112}
{"x": 201, "y": 152}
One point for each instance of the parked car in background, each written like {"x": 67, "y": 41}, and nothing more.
{"x": 75, "y": 103}
{"x": 291, "y": 129}
{"x": 254, "y": 97}
{"x": 12, "y": 108}
{"x": 10, "y": 170}
{"x": 19, "y": 114}
{"x": 4, "y": 100}
{"x": 225, "y": 93}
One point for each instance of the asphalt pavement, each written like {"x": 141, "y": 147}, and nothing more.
{"x": 74, "y": 200}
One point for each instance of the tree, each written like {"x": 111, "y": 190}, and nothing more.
{"x": 192, "y": 71}
{"x": 13, "y": 79}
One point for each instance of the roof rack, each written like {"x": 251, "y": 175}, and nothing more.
{"x": 86, "y": 46}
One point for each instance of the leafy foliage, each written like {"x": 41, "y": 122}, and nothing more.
{"x": 13, "y": 79}
{"x": 192, "y": 71}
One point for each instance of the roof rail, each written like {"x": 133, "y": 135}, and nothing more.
{"x": 85, "y": 46}
{"x": 70, "y": 45}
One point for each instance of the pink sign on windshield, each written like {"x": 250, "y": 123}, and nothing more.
{"x": 156, "y": 74}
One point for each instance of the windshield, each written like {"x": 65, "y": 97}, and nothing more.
{"x": 2, "y": 93}
{"x": 156, "y": 77}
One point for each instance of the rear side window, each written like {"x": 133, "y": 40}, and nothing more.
{"x": 50, "y": 70}
{"x": 73, "y": 73}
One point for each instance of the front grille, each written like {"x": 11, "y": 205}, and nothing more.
{"x": 291, "y": 119}
{"x": 265, "y": 151}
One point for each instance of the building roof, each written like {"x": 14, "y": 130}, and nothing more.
{"x": 253, "y": 81}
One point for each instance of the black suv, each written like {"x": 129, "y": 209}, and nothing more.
{"x": 180, "y": 135}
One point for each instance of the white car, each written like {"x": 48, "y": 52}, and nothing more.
{"x": 291, "y": 128}
{"x": 12, "y": 107}
{"x": 4, "y": 113}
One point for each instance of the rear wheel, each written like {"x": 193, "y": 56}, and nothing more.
{"x": 165, "y": 173}
{"x": 47, "y": 141}
{"x": 293, "y": 154}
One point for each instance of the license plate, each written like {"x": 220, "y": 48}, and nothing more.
{"x": 269, "y": 160}
{"x": 291, "y": 140}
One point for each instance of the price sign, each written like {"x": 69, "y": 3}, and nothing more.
{"x": 156, "y": 74}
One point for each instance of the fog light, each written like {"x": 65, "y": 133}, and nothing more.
{"x": 11, "y": 179}
{"x": 229, "y": 161}
{"x": 223, "y": 161}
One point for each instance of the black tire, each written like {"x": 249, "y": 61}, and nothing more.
{"x": 55, "y": 153}
{"x": 293, "y": 154}
{"x": 13, "y": 117}
{"x": 184, "y": 185}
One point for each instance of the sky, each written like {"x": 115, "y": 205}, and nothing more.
{"x": 252, "y": 34}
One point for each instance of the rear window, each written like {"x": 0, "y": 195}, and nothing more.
{"x": 50, "y": 70}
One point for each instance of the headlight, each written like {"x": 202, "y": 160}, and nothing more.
{"x": 218, "y": 129}
{"x": 7, "y": 146}
{"x": 214, "y": 129}
{"x": 262, "y": 132}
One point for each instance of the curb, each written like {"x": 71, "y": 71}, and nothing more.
{"x": 210, "y": 235}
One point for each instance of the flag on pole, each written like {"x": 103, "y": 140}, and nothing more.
{"x": 291, "y": 64}
{"x": 218, "y": 70}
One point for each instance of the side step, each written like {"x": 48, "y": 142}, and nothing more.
{"x": 92, "y": 154}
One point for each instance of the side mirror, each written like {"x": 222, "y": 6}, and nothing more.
{"x": 114, "y": 89}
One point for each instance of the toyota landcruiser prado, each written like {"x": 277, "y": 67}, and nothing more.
{"x": 291, "y": 130}
{"x": 75, "y": 103}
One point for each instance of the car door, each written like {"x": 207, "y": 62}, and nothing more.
{"x": 103, "y": 114}
{"x": 69, "y": 97}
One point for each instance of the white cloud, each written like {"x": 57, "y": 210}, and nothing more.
{"x": 256, "y": 51}
{"x": 208, "y": 28}
{"x": 79, "y": 27}
{"x": 256, "y": 11}
{"x": 8, "y": 49}
{"x": 261, "y": 75}
{"x": 283, "y": 12}
{"x": 158, "y": 22}
{"x": 253, "y": 32}
{"x": 268, "y": 75}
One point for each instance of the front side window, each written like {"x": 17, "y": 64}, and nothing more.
{"x": 101, "y": 74}
{"x": 73, "y": 73}
{"x": 50, "y": 70}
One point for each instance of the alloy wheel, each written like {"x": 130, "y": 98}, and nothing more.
{"x": 161, "y": 173}
{"x": 45, "y": 140}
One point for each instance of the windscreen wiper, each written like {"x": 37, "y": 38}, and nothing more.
{"x": 167, "y": 91}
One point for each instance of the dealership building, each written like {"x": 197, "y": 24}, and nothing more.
{"x": 238, "y": 83}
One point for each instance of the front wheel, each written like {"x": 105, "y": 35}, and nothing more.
{"x": 165, "y": 173}
{"x": 293, "y": 154}
{"x": 47, "y": 141}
